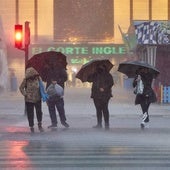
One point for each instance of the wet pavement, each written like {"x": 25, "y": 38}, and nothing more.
{"x": 124, "y": 147}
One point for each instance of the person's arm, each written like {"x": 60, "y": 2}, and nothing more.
{"x": 111, "y": 81}
{"x": 108, "y": 83}
{"x": 23, "y": 87}
{"x": 135, "y": 81}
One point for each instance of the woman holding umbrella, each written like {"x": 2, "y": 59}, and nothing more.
{"x": 145, "y": 94}
{"x": 143, "y": 74}
{"x": 101, "y": 93}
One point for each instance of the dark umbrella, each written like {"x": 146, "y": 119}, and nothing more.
{"x": 130, "y": 68}
{"x": 90, "y": 68}
{"x": 42, "y": 61}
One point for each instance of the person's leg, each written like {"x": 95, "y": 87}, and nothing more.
{"x": 30, "y": 115}
{"x": 61, "y": 111}
{"x": 52, "y": 112}
{"x": 98, "y": 107}
{"x": 145, "y": 106}
{"x": 147, "y": 109}
{"x": 106, "y": 113}
{"x": 38, "y": 108}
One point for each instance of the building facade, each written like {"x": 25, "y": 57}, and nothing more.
{"x": 69, "y": 26}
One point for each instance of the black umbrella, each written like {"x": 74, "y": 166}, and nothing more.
{"x": 130, "y": 68}
{"x": 42, "y": 61}
{"x": 90, "y": 68}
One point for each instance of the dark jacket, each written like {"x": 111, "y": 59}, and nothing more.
{"x": 101, "y": 80}
{"x": 148, "y": 93}
{"x": 59, "y": 74}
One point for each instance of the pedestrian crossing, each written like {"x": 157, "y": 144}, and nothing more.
{"x": 36, "y": 155}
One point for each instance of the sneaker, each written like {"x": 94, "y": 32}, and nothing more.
{"x": 107, "y": 127}
{"x": 52, "y": 126}
{"x": 65, "y": 124}
{"x": 40, "y": 127}
{"x": 146, "y": 124}
{"x": 142, "y": 125}
{"x": 97, "y": 126}
{"x": 145, "y": 118}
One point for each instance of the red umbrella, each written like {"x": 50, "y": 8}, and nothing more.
{"x": 42, "y": 61}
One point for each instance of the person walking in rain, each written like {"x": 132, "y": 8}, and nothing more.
{"x": 144, "y": 92}
{"x": 101, "y": 92}
{"x": 56, "y": 74}
{"x": 30, "y": 89}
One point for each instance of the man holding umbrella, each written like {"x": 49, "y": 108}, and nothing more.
{"x": 56, "y": 74}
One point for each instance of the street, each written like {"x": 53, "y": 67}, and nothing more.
{"x": 124, "y": 147}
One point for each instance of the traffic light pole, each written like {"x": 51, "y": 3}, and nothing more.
{"x": 18, "y": 44}
{"x": 26, "y": 55}
{"x": 27, "y": 41}
{"x": 26, "y": 60}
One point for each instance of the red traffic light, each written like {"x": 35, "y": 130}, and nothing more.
{"x": 18, "y": 36}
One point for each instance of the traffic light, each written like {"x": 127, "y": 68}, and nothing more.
{"x": 18, "y": 36}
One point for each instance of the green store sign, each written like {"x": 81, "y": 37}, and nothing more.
{"x": 81, "y": 53}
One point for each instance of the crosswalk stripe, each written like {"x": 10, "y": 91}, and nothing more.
{"x": 49, "y": 155}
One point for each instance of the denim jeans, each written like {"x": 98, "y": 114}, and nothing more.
{"x": 58, "y": 104}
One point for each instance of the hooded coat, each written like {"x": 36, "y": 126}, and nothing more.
{"x": 30, "y": 86}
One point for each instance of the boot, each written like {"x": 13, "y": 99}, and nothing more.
{"x": 32, "y": 129}
{"x": 98, "y": 126}
{"x": 107, "y": 127}
{"x": 65, "y": 124}
{"x": 40, "y": 127}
